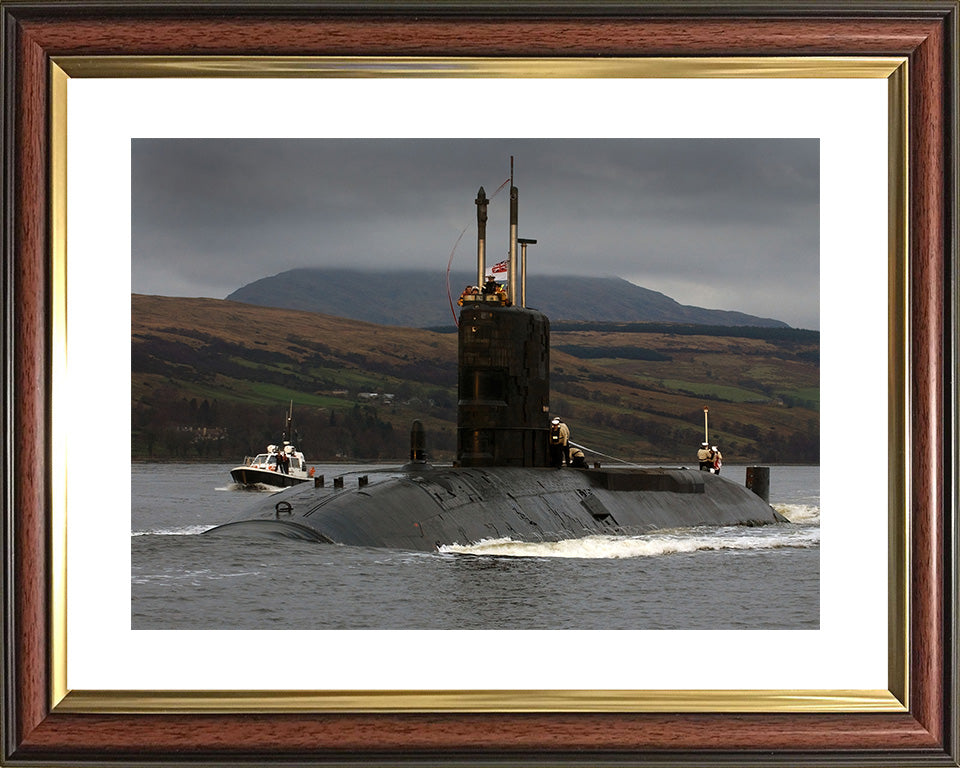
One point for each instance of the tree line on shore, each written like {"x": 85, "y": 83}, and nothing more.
{"x": 171, "y": 427}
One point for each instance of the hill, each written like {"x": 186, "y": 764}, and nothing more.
{"x": 418, "y": 298}
{"x": 212, "y": 378}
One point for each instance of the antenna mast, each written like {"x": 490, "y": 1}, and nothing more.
{"x": 513, "y": 239}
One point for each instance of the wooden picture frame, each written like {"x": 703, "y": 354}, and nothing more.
{"x": 38, "y": 731}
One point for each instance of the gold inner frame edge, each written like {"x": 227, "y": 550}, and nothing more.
{"x": 894, "y": 69}
{"x": 427, "y": 66}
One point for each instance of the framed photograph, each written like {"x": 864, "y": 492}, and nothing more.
{"x": 91, "y": 89}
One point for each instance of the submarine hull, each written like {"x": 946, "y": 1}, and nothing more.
{"x": 424, "y": 510}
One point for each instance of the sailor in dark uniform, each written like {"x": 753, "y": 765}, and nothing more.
{"x": 559, "y": 443}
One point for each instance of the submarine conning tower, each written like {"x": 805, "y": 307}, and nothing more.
{"x": 503, "y": 407}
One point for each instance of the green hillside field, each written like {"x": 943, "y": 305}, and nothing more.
{"x": 212, "y": 379}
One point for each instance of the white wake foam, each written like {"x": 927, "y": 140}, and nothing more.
{"x": 802, "y": 514}
{"x": 653, "y": 545}
{"x": 251, "y": 488}
{"x": 189, "y": 530}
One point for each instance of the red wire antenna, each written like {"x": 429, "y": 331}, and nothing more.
{"x": 449, "y": 262}
{"x": 453, "y": 311}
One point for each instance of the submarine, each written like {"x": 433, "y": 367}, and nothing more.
{"x": 504, "y": 483}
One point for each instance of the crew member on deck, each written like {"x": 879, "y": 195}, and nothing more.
{"x": 577, "y": 459}
{"x": 490, "y": 285}
{"x": 717, "y": 460}
{"x": 559, "y": 443}
{"x": 705, "y": 457}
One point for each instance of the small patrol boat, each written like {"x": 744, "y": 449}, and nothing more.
{"x": 280, "y": 467}
{"x": 505, "y": 482}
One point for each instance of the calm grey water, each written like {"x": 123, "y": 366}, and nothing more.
{"x": 704, "y": 578}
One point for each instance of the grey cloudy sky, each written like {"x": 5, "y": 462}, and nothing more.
{"x": 724, "y": 224}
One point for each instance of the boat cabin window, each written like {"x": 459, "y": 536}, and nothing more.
{"x": 261, "y": 459}
{"x": 294, "y": 462}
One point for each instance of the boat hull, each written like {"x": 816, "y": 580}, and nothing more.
{"x": 429, "y": 509}
{"x": 251, "y": 476}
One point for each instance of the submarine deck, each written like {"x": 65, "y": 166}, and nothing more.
{"x": 425, "y": 508}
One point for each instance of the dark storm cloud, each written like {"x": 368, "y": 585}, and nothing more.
{"x": 728, "y": 224}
